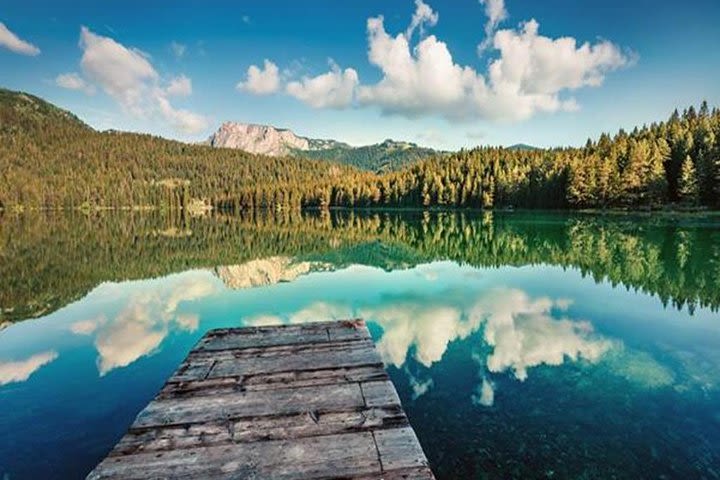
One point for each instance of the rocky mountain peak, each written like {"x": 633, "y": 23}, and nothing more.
{"x": 258, "y": 139}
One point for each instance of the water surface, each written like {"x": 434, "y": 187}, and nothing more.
{"x": 522, "y": 345}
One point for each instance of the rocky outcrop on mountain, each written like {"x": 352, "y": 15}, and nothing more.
{"x": 266, "y": 271}
{"x": 259, "y": 139}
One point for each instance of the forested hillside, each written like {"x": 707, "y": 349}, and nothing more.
{"x": 382, "y": 157}
{"x": 676, "y": 161}
{"x": 48, "y": 158}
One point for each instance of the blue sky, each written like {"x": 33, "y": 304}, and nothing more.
{"x": 472, "y": 72}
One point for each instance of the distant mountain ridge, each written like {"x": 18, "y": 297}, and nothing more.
{"x": 277, "y": 142}
{"x": 522, "y": 146}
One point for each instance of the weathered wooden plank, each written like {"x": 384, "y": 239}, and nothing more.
{"x": 317, "y": 423}
{"x": 363, "y": 373}
{"x": 276, "y": 350}
{"x": 270, "y": 381}
{"x": 399, "y": 448}
{"x": 224, "y": 339}
{"x": 254, "y": 429}
{"x": 349, "y": 331}
{"x": 330, "y": 456}
{"x": 194, "y": 370}
{"x": 250, "y": 404}
{"x": 294, "y": 327}
{"x": 302, "y": 401}
{"x": 231, "y": 341}
{"x": 191, "y": 388}
{"x": 378, "y": 394}
{"x": 309, "y": 360}
{"x": 202, "y": 365}
{"x": 174, "y": 438}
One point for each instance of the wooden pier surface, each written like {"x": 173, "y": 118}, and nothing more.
{"x": 308, "y": 401}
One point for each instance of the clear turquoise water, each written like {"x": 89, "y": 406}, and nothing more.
{"x": 517, "y": 369}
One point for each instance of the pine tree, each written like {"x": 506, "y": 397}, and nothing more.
{"x": 689, "y": 190}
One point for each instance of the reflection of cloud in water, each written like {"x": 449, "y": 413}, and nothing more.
{"x": 145, "y": 321}
{"x": 315, "y": 312}
{"x": 523, "y": 333}
{"x": 321, "y": 311}
{"x": 262, "y": 321}
{"x": 513, "y": 331}
{"x": 484, "y": 394}
{"x": 419, "y": 387}
{"x": 428, "y": 328}
{"x": 20, "y": 370}
{"x": 563, "y": 303}
{"x": 186, "y": 290}
{"x": 428, "y": 274}
{"x": 520, "y": 330}
{"x": 188, "y": 321}
{"x": 125, "y": 340}
{"x": 85, "y": 327}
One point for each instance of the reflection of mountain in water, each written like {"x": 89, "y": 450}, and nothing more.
{"x": 51, "y": 259}
{"x": 266, "y": 271}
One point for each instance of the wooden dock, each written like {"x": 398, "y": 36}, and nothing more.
{"x": 308, "y": 401}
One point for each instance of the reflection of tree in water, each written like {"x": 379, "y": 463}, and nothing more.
{"x": 49, "y": 259}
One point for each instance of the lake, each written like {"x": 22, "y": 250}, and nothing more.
{"x": 523, "y": 345}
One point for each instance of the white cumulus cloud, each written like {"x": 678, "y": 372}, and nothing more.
{"x": 334, "y": 89}
{"x": 495, "y": 12}
{"x": 533, "y": 70}
{"x": 123, "y": 73}
{"x": 179, "y": 87}
{"x": 530, "y": 74}
{"x": 417, "y": 81}
{"x": 429, "y": 328}
{"x": 15, "y": 44}
{"x": 127, "y": 75}
{"x": 315, "y": 312}
{"x": 73, "y": 81}
{"x": 424, "y": 15}
{"x": 181, "y": 120}
{"x": 261, "y": 81}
